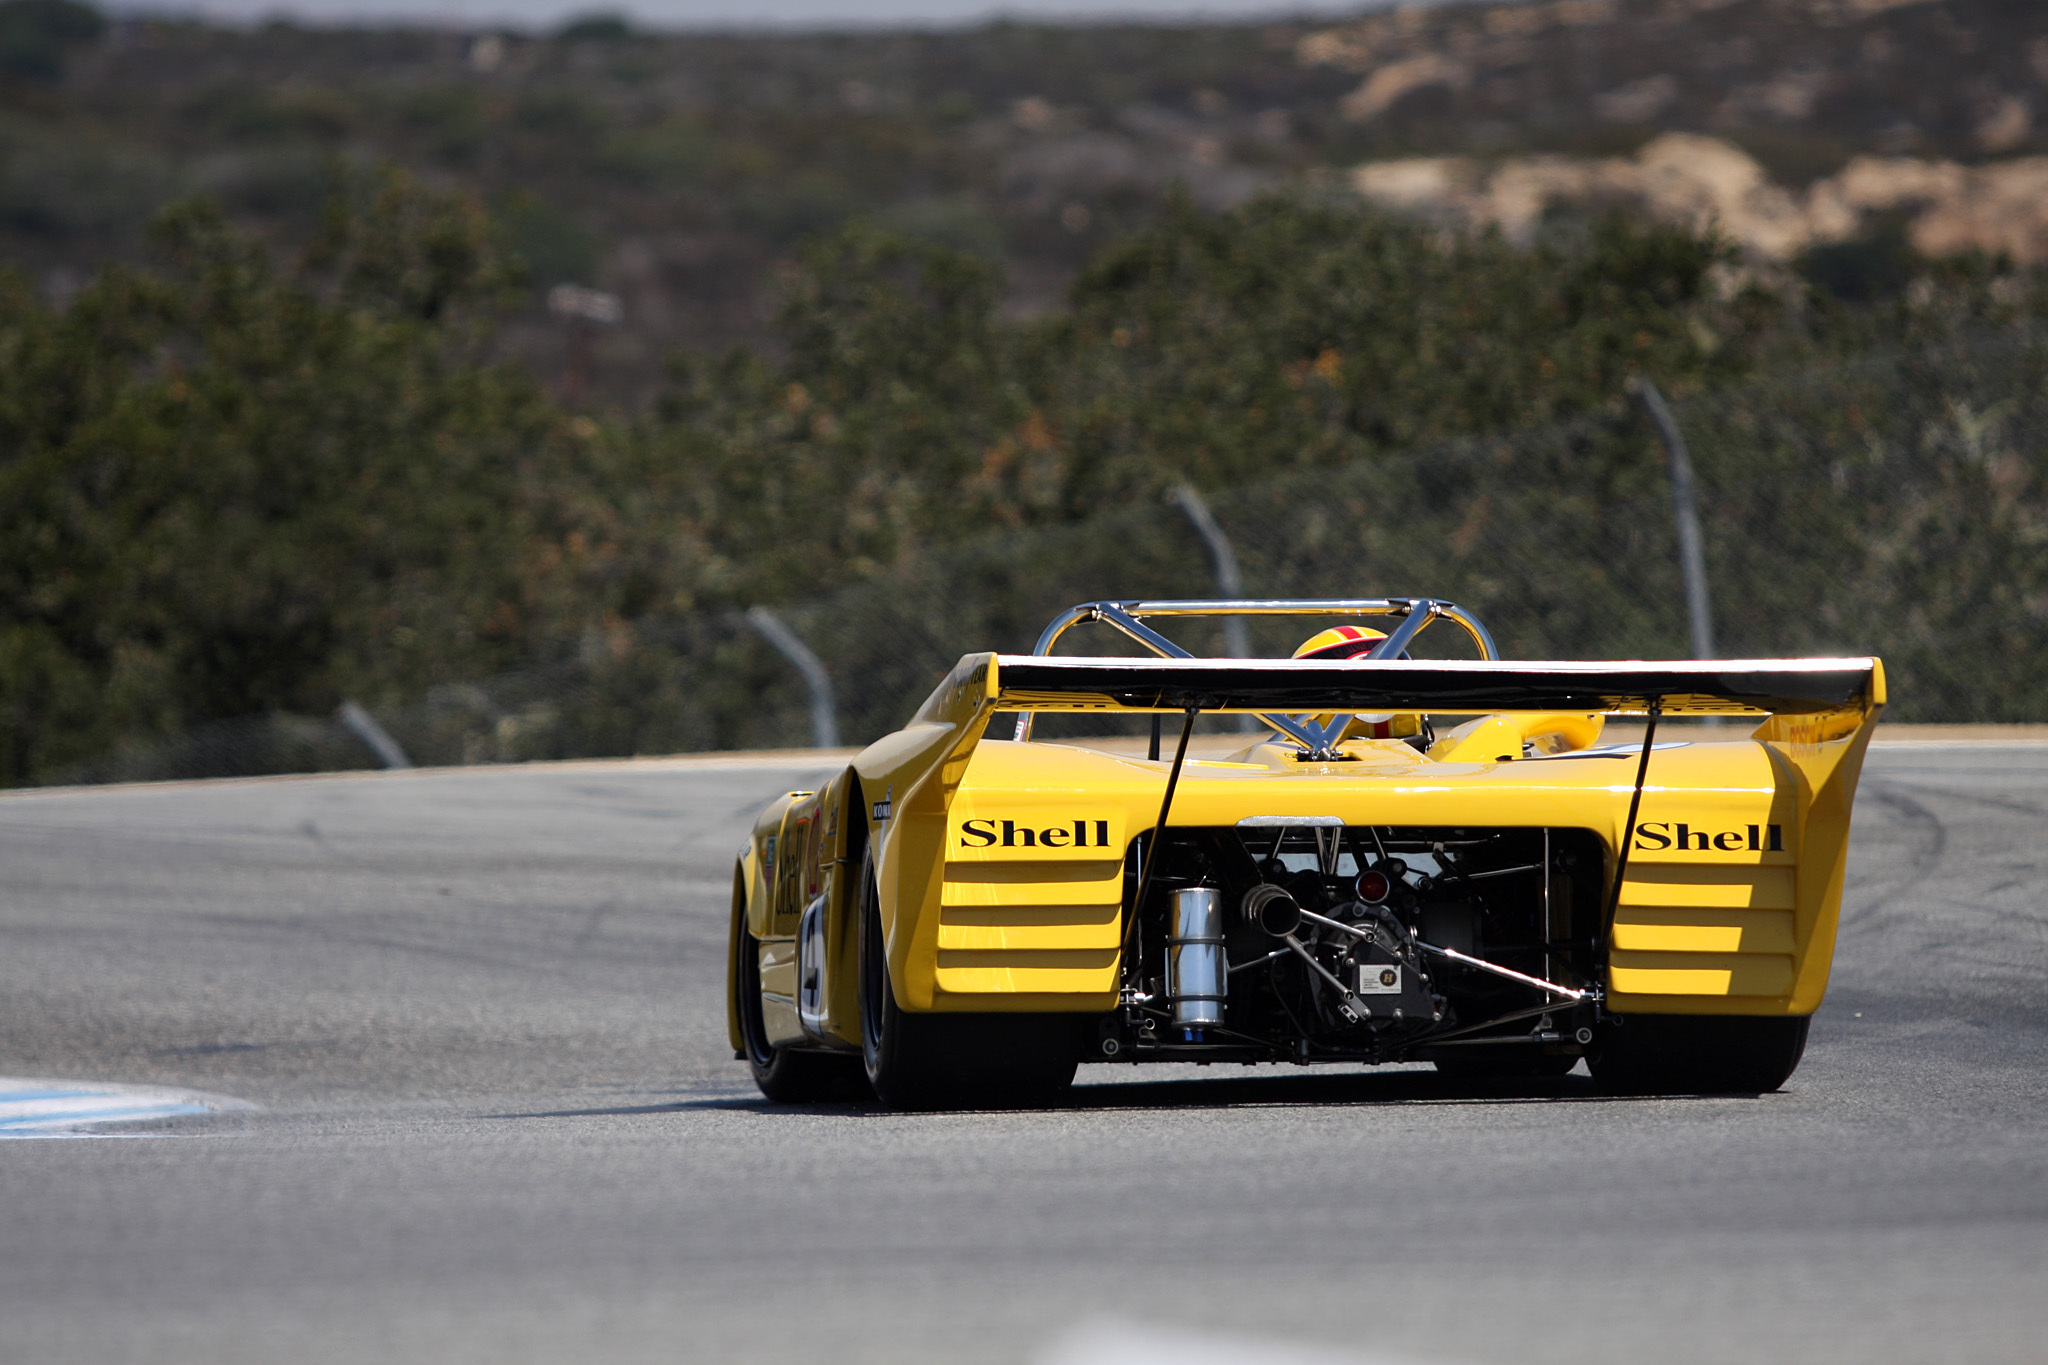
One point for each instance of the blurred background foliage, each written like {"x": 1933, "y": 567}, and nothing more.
{"x": 249, "y": 472}
{"x": 237, "y": 487}
{"x": 682, "y": 171}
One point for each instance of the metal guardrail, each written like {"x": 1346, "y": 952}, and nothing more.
{"x": 824, "y": 706}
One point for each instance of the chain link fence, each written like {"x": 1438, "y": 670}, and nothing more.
{"x": 1897, "y": 505}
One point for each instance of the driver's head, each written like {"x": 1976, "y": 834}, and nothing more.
{"x": 1340, "y": 642}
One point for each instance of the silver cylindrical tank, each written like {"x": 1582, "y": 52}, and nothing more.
{"x": 1197, "y": 976}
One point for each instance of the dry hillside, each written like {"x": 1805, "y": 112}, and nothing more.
{"x": 680, "y": 172}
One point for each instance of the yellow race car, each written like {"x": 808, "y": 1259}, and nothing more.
{"x": 960, "y": 920}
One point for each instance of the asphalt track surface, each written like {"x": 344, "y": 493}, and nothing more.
{"x": 481, "y": 1012}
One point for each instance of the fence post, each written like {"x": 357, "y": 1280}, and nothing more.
{"x": 824, "y": 710}
{"x": 364, "y": 727}
{"x": 1692, "y": 555}
{"x": 1229, "y": 583}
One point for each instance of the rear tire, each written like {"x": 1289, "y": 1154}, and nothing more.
{"x": 954, "y": 1061}
{"x": 786, "y": 1075}
{"x": 1684, "y": 1054}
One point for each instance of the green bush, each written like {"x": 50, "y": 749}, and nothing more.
{"x": 906, "y": 415}
{"x": 230, "y": 488}
{"x": 235, "y": 488}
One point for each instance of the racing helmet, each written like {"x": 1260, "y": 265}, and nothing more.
{"x": 1340, "y": 642}
{"x": 1355, "y": 642}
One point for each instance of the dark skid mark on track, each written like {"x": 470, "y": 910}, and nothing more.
{"x": 327, "y": 933}
{"x": 1978, "y": 798}
{"x": 209, "y": 1049}
{"x": 627, "y": 799}
{"x": 1931, "y": 838}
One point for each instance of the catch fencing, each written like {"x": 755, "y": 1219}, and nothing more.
{"x": 1897, "y": 505}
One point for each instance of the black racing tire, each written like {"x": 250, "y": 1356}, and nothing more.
{"x": 954, "y": 1061}
{"x": 1509, "y": 1061}
{"x": 787, "y": 1075}
{"x": 1697, "y": 1054}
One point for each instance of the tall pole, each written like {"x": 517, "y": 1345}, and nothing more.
{"x": 824, "y": 710}
{"x": 1692, "y": 554}
{"x": 583, "y": 309}
{"x": 1229, "y": 582}
{"x": 1237, "y": 641}
{"x": 375, "y": 737}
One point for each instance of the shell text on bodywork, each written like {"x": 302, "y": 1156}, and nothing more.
{"x": 1038, "y": 833}
{"x": 1682, "y": 837}
{"x": 987, "y": 833}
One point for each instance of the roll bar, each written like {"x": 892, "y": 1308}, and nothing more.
{"x": 1416, "y": 614}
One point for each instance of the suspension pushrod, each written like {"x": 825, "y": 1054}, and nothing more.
{"x": 1565, "y": 992}
{"x": 1454, "y": 955}
{"x": 1489, "y": 872}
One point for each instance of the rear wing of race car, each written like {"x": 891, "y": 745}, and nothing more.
{"x": 1388, "y": 680}
{"x": 1737, "y": 687}
{"x": 1806, "y": 701}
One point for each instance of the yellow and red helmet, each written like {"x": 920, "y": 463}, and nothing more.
{"x": 1340, "y": 642}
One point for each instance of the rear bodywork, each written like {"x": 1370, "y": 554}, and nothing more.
{"x": 1008, "y": 872}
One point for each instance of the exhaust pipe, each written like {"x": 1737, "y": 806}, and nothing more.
{"x": 1272, "y": 909}
{"x": 1196, "y": 974}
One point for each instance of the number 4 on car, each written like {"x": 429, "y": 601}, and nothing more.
{"x": 961, "y": 919}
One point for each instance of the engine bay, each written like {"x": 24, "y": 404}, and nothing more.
{"x": 1307, "y": 940}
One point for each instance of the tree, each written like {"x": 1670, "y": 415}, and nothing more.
{"x": 231, "y": 488}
